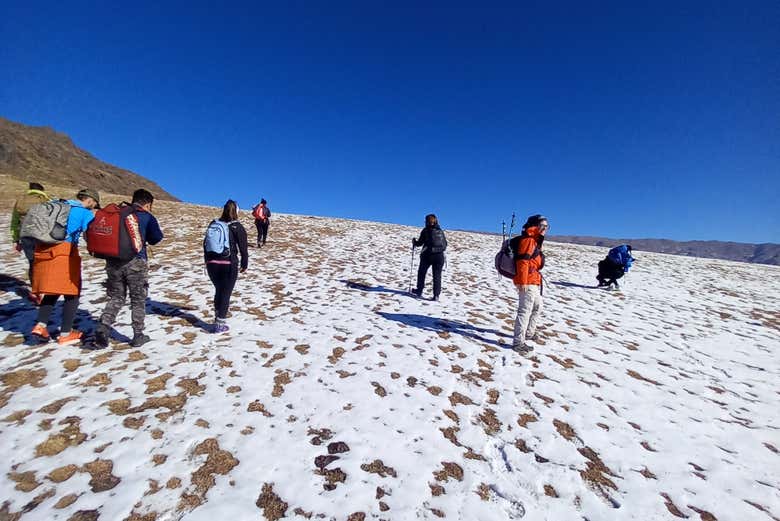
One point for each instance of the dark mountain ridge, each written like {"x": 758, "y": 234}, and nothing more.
{"x": 44, "y": 155}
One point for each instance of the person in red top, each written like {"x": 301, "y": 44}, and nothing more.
{"x": 528, "y": 280}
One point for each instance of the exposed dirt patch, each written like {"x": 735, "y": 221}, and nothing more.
{"x": 490, "y": 422}
{"x": 280, "y": 380}
{"x": 71, "y": 364}
{"x": 218, "y": 461}
{"x": 493, "y": 395}
{"x": 634, "y": 374}
{"x": 596, "y": 472}
{"x": 98, "y": 380}
{"x": 66, "y": 501}
{"x": 550, "y": 491}
{"x": 377, "y": 467}
{"x": 449, "y": 470}
{"x": 336, "y": 355}
{"x": 70, "y": 436}
{"x": 256, "y": 406}
{"x": 16, "y": 379}
{"x": 17, "y": 417}
{"x": 457, "y": 398}
{"x": 133, "y": 422}
{"x": 85, "y": 515}
{"x": 191, "y": 386}
{"x": 25, "y": 481}
{"x": 61, "y": 474}
{"x": 564, "y": 429}
{"x": 102, "y": 478}
{"x": 55, "y": 406}
{"x": 379, "y": 390}
{"x": 157, "y": 383}
{"x": 525, "y": 419}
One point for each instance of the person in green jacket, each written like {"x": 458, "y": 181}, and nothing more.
{"x": 35, "y": 195}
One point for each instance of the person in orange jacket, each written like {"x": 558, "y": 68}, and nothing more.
{"x": 528, "y": 281}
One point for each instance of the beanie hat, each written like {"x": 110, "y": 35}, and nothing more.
{"x": 534, "y": 220}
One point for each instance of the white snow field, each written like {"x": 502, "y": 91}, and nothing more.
{"x": 337, "y": 396}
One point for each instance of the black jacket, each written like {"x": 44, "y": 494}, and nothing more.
{"x": 238, "y": 244}
{"x": 432, "y": 239}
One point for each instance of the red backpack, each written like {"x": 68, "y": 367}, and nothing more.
{"x": 114, "y": 233}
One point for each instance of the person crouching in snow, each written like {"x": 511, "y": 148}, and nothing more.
{"x": 615, "y": 265}
{"x": 225, "y": 239}
{"x": 528, "y": 281}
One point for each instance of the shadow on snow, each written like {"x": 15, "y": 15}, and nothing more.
{"x": 449, "y": 326}
{"x": 376, "y": 289}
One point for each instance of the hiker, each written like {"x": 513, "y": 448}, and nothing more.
{"x": 34, "y": 195}
{"x": 434, "y": 243}
{"x": 225, "y": 239}
{"x": 262, "y": 216}
{"x": 617, "y": 262}
{"x": 131, "y": 275}
{"x": 57, "y": 270}
{"x": 528, "y": 281}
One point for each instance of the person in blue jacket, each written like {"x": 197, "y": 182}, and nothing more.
{"x": 615, "y": 265}
{"x": 57, "y": 271}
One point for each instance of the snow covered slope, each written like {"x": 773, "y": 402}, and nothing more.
{"x": 337, "y": 396}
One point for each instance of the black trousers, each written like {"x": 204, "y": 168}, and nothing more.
{"x": 426, "y": 261}
{"x": 262, "y": 230}
{"x": 68, "y": 310}
{"x": 224, "y": 277}
{"x": 609, "y": 272}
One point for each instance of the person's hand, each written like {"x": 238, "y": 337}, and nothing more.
{"x": 18, "y": 246}
{"x": 524, "y": 287}
{"x": 414, "y": 242}
{"x": 242, "y": 270}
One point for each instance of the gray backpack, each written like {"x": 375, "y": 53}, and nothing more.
{"x": 46, "y": 222}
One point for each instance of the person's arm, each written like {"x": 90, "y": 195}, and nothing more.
{"x": 242, "y": 246}
{"x": 16, "y": 224}
{"x": 524, "y": 252}
{"x": 153, "y": 232}
{"x": 420, "y": 241}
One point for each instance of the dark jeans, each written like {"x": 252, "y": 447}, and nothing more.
{"x": 224, "y": 277}
{"x": 68, "y": 310}
{"x": 427, "y": 260}
{"x": 262, "y": 230}
{"x": 125, "y": 277}
{"x": 28, "y": 247}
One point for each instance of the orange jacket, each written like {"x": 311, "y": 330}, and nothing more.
{"x": 530, "y": 258}
{"x": 57, "y": 269}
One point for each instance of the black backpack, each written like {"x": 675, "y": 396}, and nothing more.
{"x": 438, "y": 241}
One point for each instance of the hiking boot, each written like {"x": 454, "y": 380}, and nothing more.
{"x": 522, "y": 349}
{"x": 534, "y": 338}
{"x": 72, "y": 337}
{"x": 139, "y": 339}
{"x": 101, "y": 337}
{"x": 436, "y": 298}
{"x": 41, "y": 333}
{"x": 221, "y": 327}
{"x": 417, "y": 293}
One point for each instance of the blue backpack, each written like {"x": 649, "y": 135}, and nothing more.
{"x": 217, "y": 239}
{"x": 621, "y": 256}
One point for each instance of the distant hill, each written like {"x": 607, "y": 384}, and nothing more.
{"x": 766, "y": 253}
{"x": 44, "y": 155}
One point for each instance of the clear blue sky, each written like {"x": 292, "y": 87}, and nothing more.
{"x": 659, "y": 119}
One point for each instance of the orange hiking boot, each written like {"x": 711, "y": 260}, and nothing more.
{"x": 74, "y": 337}
{"x": 41, "y": 332}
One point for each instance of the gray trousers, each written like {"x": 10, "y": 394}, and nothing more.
{"x": 528, "y": 309}
{"x": 126, "y": 277}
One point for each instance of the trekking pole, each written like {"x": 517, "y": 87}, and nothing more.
{"x": 411, "y": 268}
{"x": 512, "y": 225}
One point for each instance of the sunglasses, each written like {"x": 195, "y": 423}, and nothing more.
{"x": 544, "y": 226}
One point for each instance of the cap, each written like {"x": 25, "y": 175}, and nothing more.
{"x": 88, "y": 192}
